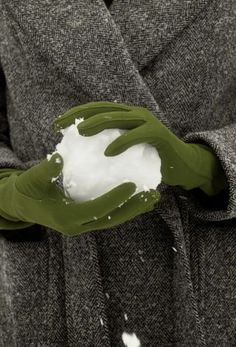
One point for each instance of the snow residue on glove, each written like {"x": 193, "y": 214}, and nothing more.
{"x": 88, "y": 173}
{"x": 130, "y": 340}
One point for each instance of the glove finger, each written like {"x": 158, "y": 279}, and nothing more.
{"x": 108, "y": 120}
{"x": 117, "y": 105}
{"x": 138, "y": 204}
{"x": 128, "y": 139}
{"x": 102, "y": 205}
{"x": 35, "y": 182}
{"x": 85, "y": 111}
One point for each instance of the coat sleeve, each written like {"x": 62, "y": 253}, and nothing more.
{"x": 8, "y": 159}
{"x": 222, "y": 206}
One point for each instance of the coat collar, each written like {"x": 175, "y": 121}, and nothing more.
{"x": 101, "y": 50}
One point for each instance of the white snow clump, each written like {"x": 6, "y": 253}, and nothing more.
{"x": 88, "y": 173}
{"x": 130, "y": 340}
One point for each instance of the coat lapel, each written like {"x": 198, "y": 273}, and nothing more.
{"x": 147, "y": 27}
{"x": 101, "y": 50}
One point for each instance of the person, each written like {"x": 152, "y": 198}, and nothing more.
{"x": 162, "y": 272}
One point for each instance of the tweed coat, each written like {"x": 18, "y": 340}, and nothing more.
{"x": 168, "y": 275}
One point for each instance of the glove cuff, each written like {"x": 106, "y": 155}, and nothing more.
{"x": 216, "y": 180}
{"x": 8, "y": 199}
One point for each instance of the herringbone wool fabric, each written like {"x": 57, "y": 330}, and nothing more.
{"x": 168, "y": 275}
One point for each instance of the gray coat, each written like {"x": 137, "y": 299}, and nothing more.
{"x": 168, "y": 275}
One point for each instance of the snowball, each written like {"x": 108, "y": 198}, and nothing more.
{"x": 88, "y": 173}
{"x": 130, "y": 340}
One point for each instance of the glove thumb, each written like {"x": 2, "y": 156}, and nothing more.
{"x": 50, "y": 168}
{"x": 36, "y": 181}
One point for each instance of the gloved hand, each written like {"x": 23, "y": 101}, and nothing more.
{"x": 32, "y": 196}
{"x": 182, "y": 164}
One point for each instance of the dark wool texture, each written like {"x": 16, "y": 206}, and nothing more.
{"x": 171, "y": 270}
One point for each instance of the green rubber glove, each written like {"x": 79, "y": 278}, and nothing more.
{"x": 182, "y": 164}
{"x": 31, "y": 196}
{"x": 10, "y": 222}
